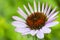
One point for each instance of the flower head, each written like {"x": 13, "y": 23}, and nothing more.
{"x": 37, "y": 22}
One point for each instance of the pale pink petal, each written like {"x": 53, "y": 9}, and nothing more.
{"x": 40, "y": 34}
{"x": 22, "y": 30}
{"x": 20, "y": 11}
{"x": 52, "y": 16}
{"x": 38, "y": 6}
{"x": 35, "y": 8}
{"x": 46, "y": 30}
{"x": 52, "y": 12}
{"x": 18, "y": 19}
{"x": 43, "y": 7}
{"x": 33, "y": 32}
{"x": 51, "y": 20}
{"x": 51, "y": 24}
{"x": 30, "y": 8}
{"x": 27, "y": 10}
{"x": 26, "y": 33}
{"x": 19, "y": 24}
{"x": 48, "y": 10}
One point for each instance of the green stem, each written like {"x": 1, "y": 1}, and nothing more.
{"x": 35, "y": 38}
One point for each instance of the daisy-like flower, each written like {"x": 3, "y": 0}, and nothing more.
{"x": 37, "y": 21}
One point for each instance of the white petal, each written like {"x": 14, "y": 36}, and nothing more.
{"x": 51, "y": 20}
{"x": 52, "y": 16}
{"x": 48, "y": 10}
{"x": 40, "y": 34}
{"x": 27, "y": 10}
{"x": 18, "y": 19}
{"x": 30, "y": 8}
{"x": 20, "y": 11}
{"x": 51, "y": 24}
{"x": 19, "y": 24}
{"x": 43, "y": 7}
{"x": 28, "y": 32}
{"x": 38, "y": 6}
{"x": 22, "y": 30}
{"x": 46, "y": 30}
{"x": 35, "y": 8}
{"x": 33, "y": 32}
{"x": 52, "y": 12}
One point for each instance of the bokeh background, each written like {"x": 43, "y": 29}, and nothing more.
{"x": 8, "y": 8}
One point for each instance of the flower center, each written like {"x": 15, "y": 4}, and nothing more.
{"x": 36, "y": 20}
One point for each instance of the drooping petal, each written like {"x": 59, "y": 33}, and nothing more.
{"x": 51, "y": 20}
{"x": 46, "y": 30}
{"x": 35, "y": 7}
{"x": 27, "y": 10}
{"x": 52, "y": 16}
{"x": 48, "y": 10}
{"x": 19, "y": 24}
{"x": 40, "y": 34}
{"x": 51, "y": 24}
{"x": 52, "y": 12}
{"x": 30, "y": 8}
{"x": 28, "y": 32}
{"x": 38, "y": 6}
{"x": 18, "y": 19}
{"x": 33, "y": 32}
{"x": 20, "y": 11}
{"x": 43, "y": 7}
{"x": 22, "y": 30}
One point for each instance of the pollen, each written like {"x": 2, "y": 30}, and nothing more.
{"x": 36, "y": 20}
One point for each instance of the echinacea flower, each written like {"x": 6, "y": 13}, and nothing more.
{"x": 37, "y": 22}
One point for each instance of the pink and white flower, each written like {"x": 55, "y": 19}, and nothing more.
{"x": 37, "y": 21}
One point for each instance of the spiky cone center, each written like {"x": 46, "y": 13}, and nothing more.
{"x": 36, "y": 20}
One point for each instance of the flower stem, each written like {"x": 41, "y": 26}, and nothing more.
{"x": 36, "y": 38}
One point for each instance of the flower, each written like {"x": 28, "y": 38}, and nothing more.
{"x": 37, "y": 22}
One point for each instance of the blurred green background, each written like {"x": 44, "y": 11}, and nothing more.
{"x": 8, "y": 8}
